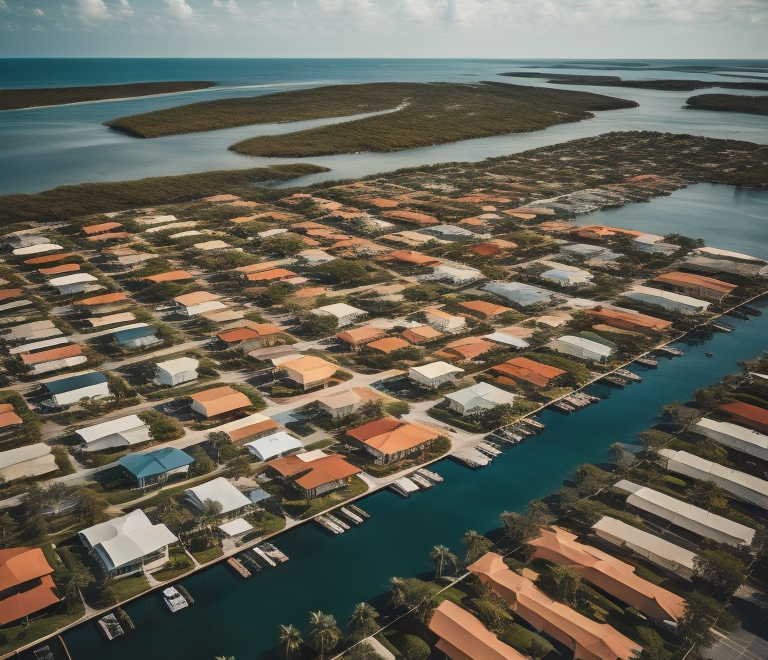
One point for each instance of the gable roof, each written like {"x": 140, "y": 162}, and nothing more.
{"x": 311, "y": 368}
{"x": 219, "y": 400}
{"x": 195, "y": 298}
{"x": 273, "y": 445}
{"x": 357, "y": 335}
{"x": 159, "y": 461}
{"x": 388, "y": 344}
{"x": 17, "y": 567}
{"x": 481, "y": 395}
{"x": 390, "y": 435}
{"x": 105, "y": 299}
{"x": 485, "y": 308}
{"x": 74, "y": 382}
{"x": 218, "y": 490}
{"x": 528, "y": 370}
{"x": 170, "y": 276}
{"x": 247, "y": 426}
{"x": 52, "y": 354}
{"x": 421, "y": 333}
{"x": 318, "y": 472}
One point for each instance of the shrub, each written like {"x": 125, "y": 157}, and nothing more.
{"x": 412, "y": 647}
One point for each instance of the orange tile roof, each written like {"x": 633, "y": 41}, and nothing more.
{"x": 247, "y": 431}
{"x": 319, "y": 472}
{"x": 688, "y": 279}
{"x": 628, "y": 320}
{"x": 109, "y": 236}
{"x": 411, "y": 216}
{"x": 466, "y": 349}
{"x": 104, "y": 226}
{"x": 528, "y": 370}
{"x": 309, "y": 292}
{"x": 19, "y": 566}
{"x": 7, "y": 294}
{"x": 390, "y": 435}
{"x": 49, "y": 258}
{"x": 308, "y": 224}
{"x": 311, "y": 368}
{"x": 257, "y": 268}
{"x": 71, "y": 350}
{"x": 225, "y": 197}
{"x": 421, "y": 333}
{"x": 381, "y": 202}
{"x": 105, "y": 299}
{"x": 269, "y": 275}
{"x": 57, "y": 270}
{"x": 493, "y": 247}
{"x": 411, "y": 257}
{"x": 170, "y": 276}
{"x": 747, "y": 414}
{"x": 360, "y": 335}
{"x": 238, "y": 334}
{"x": 486, "y": 309}
{"x": 8, "y": 416}
{"x": 388, "y": 344}
{"x": 196, "y": 298}
{"x": 243, "y": 218}
{"x": 473, "y": 222}
{"x": 220, "y": 400}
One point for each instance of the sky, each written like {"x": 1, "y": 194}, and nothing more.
{"x": 689, "y": 29}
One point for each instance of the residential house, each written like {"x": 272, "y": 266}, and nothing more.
{"x": 653, "y": 243}
{"x": 315, "y": 473}
{"x": 698, "y": 286}
{"x": 272, "y": 446}
{"x": 466, "y": 349}
{"x": 26, "y": 585}
{"x": 218, "y": 401}
{"x": 251, "y": 336}
{"x": 121, "y": 432}
{"x": 495, "y": 248}
{"x": 391, "y": 440}
{"x": 347, "y": 402}
{"x": 29, "y": 461}
{"x": 193, "y": 304}
{"x": 388, "y": 345}
{"x": 455, "y": 274}
{"x": 8, "y": 418}
{"x": 54, "y": 359}
{"x": 434, "y": 374}
{"x": 270, "y": 276}
{"x": 232, "y": 501}
{"x": 66, "y": 390}
{"x": 356, "y": 338}
{"x": 252, "y": 426}
{"x": 137, "y": 337}
{"x": 176, "y": 371}
{"x": 76, "y": 283}
{"x": 734, "y": 436}
{"x": 627, "y": 319}
{"x": 479, "y": 397}
{"x": 411, "y": 258}
{"x": 154, "y": 467}
{"x": 529, "y": 371}
{"x": 580, "y": 347}
{"x": 169, "y": 276}
{"x": 421, "y": 334}
{"x": 31, "y": 331}
{"x": 672, "y": 302}
{"x": 485, "y": 310}
{"x": 445, "y": 322}
{"x": 522, "y": 295}
{"x": 309, "y": 371}
{"x": 104, "y": 304}
{"x": 91, "y": 230}
{"x": 746, "y": 414}
{"x": 568, "y": 276}
{"x": 345, "y": 314}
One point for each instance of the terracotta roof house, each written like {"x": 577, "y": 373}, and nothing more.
{"x": 587, "y": 639}
{"x": 464, "y": 637}
{"x": 629, "y": 320}
{"x": 309, "y": 371}
{"x": 484, "y": 310}
{"x": 747, "y": 415}
{"x": 388, "y": 345}
{"x": 8, "y": 417}
{"x": 529, "y": 371}
{"x": 411, "y": 216}
{"x": 421, "y": 334}
{"x": 496, "y": 247}
{"x": 243, "y": 271}
{"x": 58, "y": 270}
{"x": 26, "y": 586}
{"x": 170, "y": 276}
{"x": 412, "y": 258}
{"x": 253, "y": 426}
{"x": 315, "y": 473}
{"x": 98, "y": 229}
{"x": 391, "y": 439}
{"x": 49, "y": 258}
{"x": 9, "y": 294}
{"x": 250, "y": 337}
{"x": 465, "y": 349}
{"x": 698, "y": 286}
{"x": 609, "y": 574}
{"x": 356, "y": 338}
{"x": 103, "y": 303}
{"x": 192, "y": 304}
{"x": 271, "y": 275}
{"x": 218, "y": 400}
{"x": 54, "y": 358}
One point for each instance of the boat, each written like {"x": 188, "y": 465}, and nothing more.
{"x": 471, "y": 458}
{"x": 45, "y": 653}
{"x": 356, "y": 509}
{"x": 174, "y": 600}
{"x": 263, "y": 556}
{"x": 629, "y": 375}
{"x": 708, "y": 354}
{"x": 108, "y": 624}
{"x": 185, "y": 593}
{"x": 675, "y": 352}
{"x": 647, "y": 362}
{"x": 357, "y": 520}
{"x": 562, "y": 407}
{"x": 404, "y": 487}
{"x": 738, "y": 314}
{"x": 486, "y": 449}
{"x": 616, "y": 381}
{"x": 271, "y": 551}
{"x": 722, "y": 327}
{"x": 420, "y": 481}
{"x": 434, "y": 477}
{"x": 535, "y": 424}
{"x": 249, "y": 559}
{"x": 328, "y": 525}
{"x": 241, "y": 570}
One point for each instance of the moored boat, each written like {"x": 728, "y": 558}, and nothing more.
{"x": 174, "y": 600}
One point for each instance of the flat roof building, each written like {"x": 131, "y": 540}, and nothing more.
{"x": 673, "y": 302}
{"x": 734, "y": 436}
{"x": 434, "y": 374}
{"x": 522, "y": 295}
{"x": 445, "y": 322}
{"x": 177, "y": 371}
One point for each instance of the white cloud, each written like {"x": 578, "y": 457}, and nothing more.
{"x": 124, "y": 9}
{"x": 179, "y": 9}
{"x": 38, "y": 12}
{"x": 93, "y": 10}
{"x": 216, "y": 3}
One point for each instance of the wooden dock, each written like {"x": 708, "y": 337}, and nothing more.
{"x": 241, "y": 570}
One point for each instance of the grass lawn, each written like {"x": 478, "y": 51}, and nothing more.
{"x": 128, "y": 587}
{"x": 39, "y": 628}
{"x": 320, "y": 444}
{"x": 208, "y": 555}
{"x": 166, "y": 573}
{"x": 99, "y": 459}
{"x": 272, "y": 523}
{"x": 356, "y": 487}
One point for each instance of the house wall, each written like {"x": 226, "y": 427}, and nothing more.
{"x": 73, "y": 396}
{"x": 167, "y": 378}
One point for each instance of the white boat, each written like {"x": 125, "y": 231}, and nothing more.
{"x": 428, "y": 474}
{"x": 404, "y": 486}
{"x": 174, "y": 600}
{"x": 420, "y": 481}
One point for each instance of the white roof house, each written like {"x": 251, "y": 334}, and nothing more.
{"x": 29, "y": 461}
{"x": 123, "y": 546}
{"x": 155, "y": 219}
{"x": 37, "y": 249}
{"x": 434, "y": 374}
{"x": 455, "y": 274}
{"x": 272, "y": 446}
{"x": 501, "y": 337}
{"x": 236, "y": 527}
{"x": 69, "y": 389}
{"x": 314, "y": 256}
{"x": 121, "y": 432}
{"x": 32, "y": 330}
{"x": 445, "y": 322}
{"x": 656, "y": 550}
{"x": 218, "y": 490}
{"x": 735, "y": 436}
{"x": 581, "y": 348}
{"x": 674, "y": 302}
{"x": 197, "y": 302}
{"x": 745, "y": 486}
{"x": 482, "y": 396}
{"x": 111, "y": 319}
{"x": 345, "y": 314}
{"x": 653, "y": 243}
{"x": 38, "y": 345}
{"x": 245, "y": 427}
{"x": 568, "y": 276}
{"x": 519, "y": 293}
{"x": 175, "y": 372}
{"x": 212, "y": 245}
{"x": 696, "y": 520}
{"x": 76, "y": 283}
{"x": 726, "y": 254}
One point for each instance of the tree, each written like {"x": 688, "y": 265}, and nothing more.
{"x": 589, "y": 479}
{"x": 653, "y": 646}
{"x": 362, "y": 623}
{"x": 568, "y": 583}
{"x": 34, "y": 527}
{"x": 211, "y": 512}
{"x": 619, "y": 454}
{"x": 713, "y": 397}
{"x": 325, "y": 633}
{"x": 710, "y": 496}
{"x": 476, "y": 545}
{"x": 57, "y": 494}
{"x": 343, "y": 271}
{"x": 441, "y": 556}
{"x": 239, "y": 467}
{"x": 397, "y": 408}
{"x": 217, "y": 438}
{"x": 203, "y": 463}
{"x": 720, "y": 571}
{"x": 412, "y": 593}
{"x": 422, "y": 292}
{"x": 493, "y": 614}
{"x": 118, "y": 388}
{"x": 318, "y": 325}
{"x": 8, "y": 530}
{"x": 370, "y": 411}
{"x": 90, "y": 506}
{"x": 413, "y": 648}
{"x": 35, "y": 500}
{"x": 701, "y": 614}
{"x": 522, "y": 528}
{"x": 538, "y": 647}
{"x": 290, "y": 642}
{"x": 79, "y": 578}
{"x": 283, "y": 245}
{"x": 362, "y": 651}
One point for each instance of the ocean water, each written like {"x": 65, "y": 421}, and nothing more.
{"x": 43, "y": 148}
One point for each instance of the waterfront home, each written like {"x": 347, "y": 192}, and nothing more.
{"x": 421, "y": 334}
{"x": 344, "y": 314}
{"x": 477, "y": 398}
{"x": 694, "y": 519}
{"x": 455, "y": 274}
{"x": 53, "y": 359}
{"x": 672, "y": 558}
{"x": 391, "y": 440}
{"x": 579, "y": 347}
{"x": 121, "y": 432}
{"x": 128, "y": 545}
{"x": 251, "y": 336}
{"x": 26, "y": 585}
{"x": 218, "y": 401}
{"x": 232, "y": 501}
{"x": 272, "y": 446}
{"x": 627, "y": 319}
{"x": 136, "y": 337}
{"x": 608, "y": 574}
{"x": 66, "y": 390}
{"x": 9, "y": 420}
{"x": 104, "y": 304}
{"x": 356, "y": 338}
{"x": 29, "y": 461}
{"x": 744, "y": 486}
{"x": 445, "y": 322}
{"x": 746, "y": 414}
{"x": 434, "y": 374}
{"x": 176, "y": 371}
{"x": 466, "y": 349}
{"x": 464, "y": 637}
{"x": 252, "y": 426}
{"x": 522, "y": 295}
{"x": 734, "y": 436}
{"x": 309, "y": 371}
{"x": 673, "y": 302}
{"x": 484, "y": 309}
{"x": 529, "y": 371}
{"x": 588, "y": 639}
{"x": 314, "y": 473}
{"x": 154, "y": 467}
{"x": 76, "y": 283}
{"x": 194, "y": 304}
{"x": 699, "y": 286}
{"x": 347, "y": 402}
{"x": 31, "y": 331}
{"x": 169, "y": 276}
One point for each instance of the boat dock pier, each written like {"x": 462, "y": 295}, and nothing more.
{"x": 241, "y": 570}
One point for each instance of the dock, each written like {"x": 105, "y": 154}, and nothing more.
{"x": 328, "y": 525}
{"x": 404, "y": 487}
{"x": 271, "y": 551}
{"x": 241, "y": 570}
{"x": 434, "y": 477}
{"x": 668, "y": 350}
{"x": 629, "y": 375}
{"x": 337, "y": 521}
{"x": 260, "y": 554}
{"x": 722, "y": 327}
{"x": 471, "y": 458}
{"x": 350, "y": 515}
{"x": 423, "y": 483}
{"x": 356, "y": 509}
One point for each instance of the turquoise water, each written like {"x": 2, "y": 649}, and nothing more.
{"x": 46, "y": 147}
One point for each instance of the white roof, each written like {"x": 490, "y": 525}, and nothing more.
{"x": 178, "y": 365}
{"x": 504, "y": 338}
{"x": 155, "y": 219}
{"x": 339, "y": 310}
{"x": 218, "y": 490}
{"x": 585, "y": 344}
{"x": 482, "y": 395}
{"x": 120, "y": 425}
{"x": 273, "y": 445}
{"x": 175, "y": 225}
{"x": 407, "y": 485}
{"x": 748, "y": 436}
{"x": 272, "y": 232}
{"x": 72, "y": 279}
{"x": 37, "y": 345}
{"x": 648, "y": 239}
{"x": 23, "y": 454}
{"x": 666, "y": 295}
{"x": 15, "y": 304}
{"x": 127, "y": 539}
{"x": 208, "y": 306}
{"x": 256, "y": 418}
{"x": 464, "y": 273}
{"x": 561, "y": 275}
{"x": 235, "y": 527}
{"x": 188, "y": 232}
{"x": 716, "y": 252}
{"x": 37, "y": 249}
{"x": 436, "y": 369}
{"x": 309, "y": 456}
{"x": 212, "y": 245}
{"x": 122, "y": 317}
{"x": 32, "y": 330}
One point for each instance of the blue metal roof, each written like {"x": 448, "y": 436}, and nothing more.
{"x": 258, "y": 495}
{"x": 155, "y": 462}
{"x": 135, "y": 333}
{"x": 75, "y": 382}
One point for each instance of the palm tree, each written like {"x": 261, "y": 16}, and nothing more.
{"x": 617, "y": 450}
{"x": 290, "y": 641}
{"x": 477, "y": 545}
{"x": 325, "y": 633}
{"x": 363, "y": 621}
{"x": 79, "y": 578}
{"x": 441, "y": 556}
{"x": 568, "y": 583}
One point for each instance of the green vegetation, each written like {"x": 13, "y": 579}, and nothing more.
{"x": 16, "y": 99}
{"x": 67, "y": 201}
{"x": 753, "y": 105}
